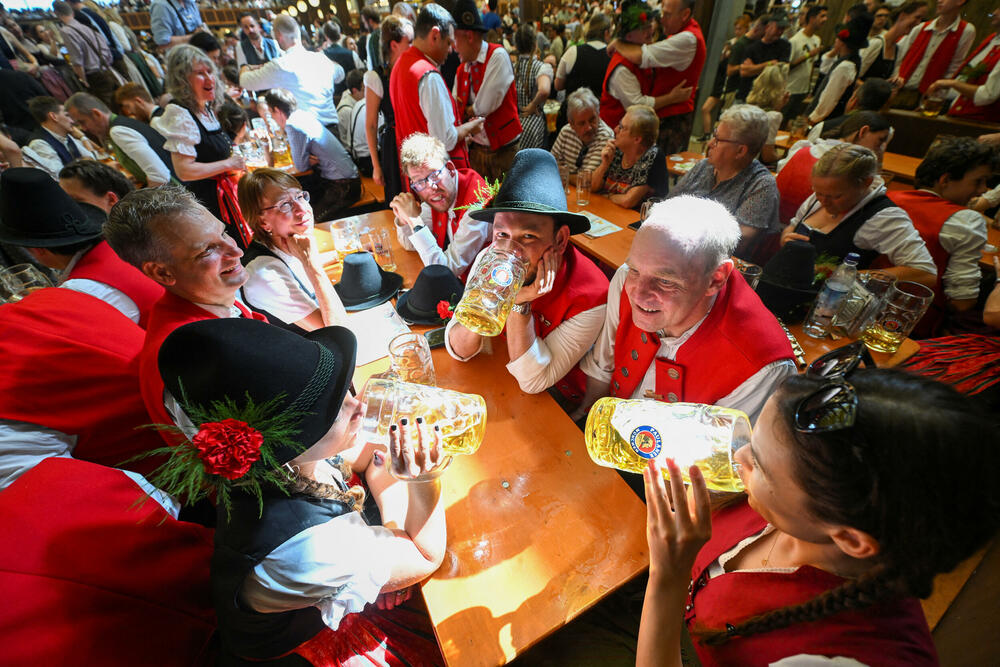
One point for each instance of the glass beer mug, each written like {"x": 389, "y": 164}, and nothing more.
{"x": 490, "y": 289}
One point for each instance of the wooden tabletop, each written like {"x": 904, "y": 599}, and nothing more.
{"x": 686, "y": 158}
{"x": 537, "y": 533}
{"x": 993, "y": 239}
{"x": 612, "y": 249}
{"x": 813, "y": 348}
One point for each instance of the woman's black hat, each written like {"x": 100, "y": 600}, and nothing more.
{"x": 786, "y": 284}
{"x": 533, "y": 185}
{"x": 37, "y": 213}
{"x": 364, "y": 284}
{"x": 436, "y": 283}
{"x": 855, "y": 32}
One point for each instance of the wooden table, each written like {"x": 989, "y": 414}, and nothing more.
{"x": 537, "y": 533}
{"x": 813, "y": 348}
{"x": 612, "y": 249}
{"x": 686, "y": 157}
{"x": 903, "y": 167}
{"x": 993, "y": 239}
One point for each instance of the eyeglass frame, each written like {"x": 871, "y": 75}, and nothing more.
{"x": 846, "y": 360}
{"x": 715, "y": 137}
{"x": 428, "y": 181}
{"x": 286, "y": 205}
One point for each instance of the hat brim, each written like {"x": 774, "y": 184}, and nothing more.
{"x": 19, "y": 237}
{"x": 391, "y": 282}
{"x": 577, "y": 222}
{"x": 403, "y": 308}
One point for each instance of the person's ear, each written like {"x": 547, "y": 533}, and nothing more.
{"x": 112, "y": 198}
{"x": 159, "y": 272}
{"x": 855, "y": 543}
{"x": 562, "y": 238}
{"x": 719, "y": 276}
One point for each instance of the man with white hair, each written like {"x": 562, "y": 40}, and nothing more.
{"x": 580, "y": 142}
{"x": 731, "y": 175}
{"x": 681, "y": 324}
{"x": 309, "y": 76}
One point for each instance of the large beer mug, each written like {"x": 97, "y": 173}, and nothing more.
{"x": 902, "y": 307}
{"x": 490, "y": 289}
{"x": 461, "y": 418}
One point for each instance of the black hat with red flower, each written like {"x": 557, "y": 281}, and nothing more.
{"x": 636, "y": 14}
{"x": 855, "y": 32}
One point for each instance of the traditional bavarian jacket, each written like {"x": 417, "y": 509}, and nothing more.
{"x": 502, "y": 124}
{"x": 892, "y": 633}
{"x": 939, "y": 61}
{"x": 612, "y": 109}
{"x": 101, "y": 264}
{"x": 404, "y": 90}
{"x": 980, "y": 107}
{"x": 665, "y": 79}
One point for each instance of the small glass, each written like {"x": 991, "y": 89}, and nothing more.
{"x": 903, "y": 306}
{"x": 490, "y": 289}
{"x": 23, "y": 279}
{"x": 933, "y": 104}
{"x": 564, "y": 175}
{"x": 551, "y": 111}
{"x": 646, "y": 207}
{"x": 381, "y": 248}
{"x": 345, "y": 237}
{"x": 410, "y": 356}
{"x": 863, "y": 303}
{"x": 583, "y": 178}
{"x": 750, "y": 272}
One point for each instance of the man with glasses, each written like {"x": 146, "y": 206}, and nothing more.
{"x": 426, "y": 217}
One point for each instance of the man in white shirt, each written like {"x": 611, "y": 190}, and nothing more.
{"x": 352, "y": 111}
{"x": 310, "y": 77}
{"x": 57, "y": 141}
{"x": 806, "y": 45}
{"x": 979, "y": 90}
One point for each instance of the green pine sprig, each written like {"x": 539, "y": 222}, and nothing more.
{"x": 484, "y": 195}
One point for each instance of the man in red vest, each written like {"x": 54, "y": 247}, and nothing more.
{"x": 954, "y": 171}
{"x": 979, "y": 90}
{"x": 484, "y": 87}
{"x": 676, "y": 62}
{"x": 681, "y": 324}
{"x": 175, "y": 241}
{"x": 435, "y": 229}
{"x": 418, "y": 92}
{"x": 66, "y": 236}
{"x": 559, "y": 310}
{"x": 933, "y": 50}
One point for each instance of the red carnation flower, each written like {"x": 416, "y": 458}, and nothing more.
{"x": 844, "y": 34}
{"x": 642, "y": 17}
{"x": 444, "y": 310}
{"x": 228, "y": 448}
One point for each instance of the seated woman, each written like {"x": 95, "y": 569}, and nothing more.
{"x": 769, "y": 92}
{"x": 287, "y": 281}
{"x": 632, "y": 167}
{"x": 296, "y": 565}
{"x": 849, "y": 212}
{"x": 855, "y": 483}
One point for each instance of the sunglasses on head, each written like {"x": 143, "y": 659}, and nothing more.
{"x": 834, "y": 405}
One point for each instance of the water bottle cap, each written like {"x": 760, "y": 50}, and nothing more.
{"x": 852, "y": 258}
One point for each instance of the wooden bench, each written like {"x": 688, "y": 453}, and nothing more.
{"x": 372, "y": 197}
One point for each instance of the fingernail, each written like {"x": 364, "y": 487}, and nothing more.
{"x": 436, "y": 427}
{"x": 392, "y": 427}
{"x": 403, "y": 421}
{"x": 420, "y": 420}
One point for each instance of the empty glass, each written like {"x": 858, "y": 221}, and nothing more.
{"x": 410, "y": 356}
{"x": 583, "y": 178}
{"x": 345, "y": 237}
{"x": 21, "y": 280}
{"x": 750, "y": 272}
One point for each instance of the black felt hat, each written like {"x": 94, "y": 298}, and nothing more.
{"x": 467, "y": 16}
{"x": 786, "y": 284}
{"x": 855, "y": 32}
{"x": 363, "y": 284}
{"x": 436, "y": 283}
{"x": 235, "y": 358}
{"x": 36, "y": 212}
{"x": 533, "y": 185}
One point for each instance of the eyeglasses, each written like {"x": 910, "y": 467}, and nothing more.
{"x": 833, "y": 406}
{"x": 715, "y": 137}
{"x": 286, "y": 206}
{"x": 430, "y": 181}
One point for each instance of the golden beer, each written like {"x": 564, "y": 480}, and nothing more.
{"x": 626, "y": 434}
{"x": 931, "y": 107}
{"x": 490, "y": 290}
{"x": 877, "y": 338}
{"x": 282, "y": 158}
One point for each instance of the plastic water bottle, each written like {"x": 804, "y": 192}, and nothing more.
{"x": 831, "y": 298}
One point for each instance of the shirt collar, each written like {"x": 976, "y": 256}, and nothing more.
{"x": 72, "y": 264}
{"x": 482, "y": 52}
{"x": 931, "y": 25}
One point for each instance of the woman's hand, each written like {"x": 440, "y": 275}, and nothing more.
{"x": 386, "y": 601}
{"x": 789, "y": 234}
{"x": 303, "y": 247}
{"x": 608, "y": 153}
{"x": 235, "y": 163}
{"x": 415, "y": 448}
{"x": 675, "y": 531}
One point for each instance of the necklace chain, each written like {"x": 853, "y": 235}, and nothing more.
{"x": 767, "y": 558}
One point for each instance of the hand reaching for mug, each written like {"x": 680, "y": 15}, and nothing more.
{"x": 415, "y": 448}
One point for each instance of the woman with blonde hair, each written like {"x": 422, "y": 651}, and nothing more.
{"x": 770, "y": 93}
{"x": 200, "y": 150}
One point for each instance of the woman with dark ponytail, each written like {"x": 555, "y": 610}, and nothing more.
{"x": 861, "y": 486}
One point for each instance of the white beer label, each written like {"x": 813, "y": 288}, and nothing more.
{"x": 656, "y": 430}
{"x": 502, "y": 276}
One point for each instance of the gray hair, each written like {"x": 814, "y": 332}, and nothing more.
{"x": 580, "y": 99}
{"x": 703, "y": 230}
{"x": 598, "y": 25}
{"x": 749, "y": 125}
{"x": 132, "y": 226}
{"x": 287, "y": 27}
{"x": 85, "y": 103}
{"x": 180, "y": 62}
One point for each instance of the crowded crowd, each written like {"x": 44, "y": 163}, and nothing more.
{"x": 182, "y": 474}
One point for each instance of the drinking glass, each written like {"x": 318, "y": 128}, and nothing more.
{"x": 345, "y": 237}
{"x": 863, "y": 302}
{"x": 750, "y": 272}
{"x": 410, "y": 356}
{"x": 903, "y": 306}
{"x": 23, "y": 279}
{"x": 490, "y": 289}
{"x": 381, "y": 248}
{"x": 583, "y": 178}
{"x": 564, "y": 175}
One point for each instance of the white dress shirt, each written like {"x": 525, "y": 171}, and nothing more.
{"x": 307, "y": 75}
{"x": 962, "y": 236}
{"x": 568, "y": 61}
{"x": 106, "y": 293}
{"x": 988, "y": 92}
{"x": 842, "y": 77}
{"x": 676, "y": 51}
{"x": 48, "y": 159}
{"x": 135, "y": 146}
{"x": 463, "y": 245}
{"x": 275, "y": 284}
{"x": 870, "y": 53}
{"x": 498, "y": 77}
{"x": 624, "y": 87}
{"x": 937, "y": 36}
{"x": 436, "y": 105}
{"x": 599, "y": 363}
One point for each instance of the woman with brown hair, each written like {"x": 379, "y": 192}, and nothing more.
{"x": 397, "y": 33}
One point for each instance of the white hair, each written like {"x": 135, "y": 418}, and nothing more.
{"x": 580, "y": 99}
{"x": 749, "y": 125}
{"x": 287, "y": 27}
{"x": 702, "y": 229}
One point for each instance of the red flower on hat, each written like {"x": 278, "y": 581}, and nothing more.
{"x": 844, "y": 34}
{"x": 228, "y": 448}
{"x": 444, "y": 310}
{"x": 642, "y": 17}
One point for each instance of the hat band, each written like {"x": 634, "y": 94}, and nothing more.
{"x": 317, "y": 383}
{"x": 534, "y": 207}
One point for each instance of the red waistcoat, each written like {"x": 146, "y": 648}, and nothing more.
{"x": 940, "y": 59}
{"x": 965, "y": 107}
{"x": 612, "y": 110}
{"x": 101, "y": 264}
{"x": 92, "y": 578}
{"x": 469, "y": 185}
{"x": 665, "y": 79}
{"x": 738, "y": 338}
{"x": 892, "y": 633}
{"x": 795, "y": 183}
{"x": 69, "y": 364}
{"x": 404, "y": 84}
{"x": 503, "y": 125}
{"x": 168, "y": 313}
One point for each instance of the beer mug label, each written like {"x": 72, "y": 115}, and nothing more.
{"x": 891, "y": 325}
{"x": 502, "y": 276}
{"x": 646, "y": 442}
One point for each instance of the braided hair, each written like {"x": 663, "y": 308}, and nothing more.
{"x": 910, "y": 473}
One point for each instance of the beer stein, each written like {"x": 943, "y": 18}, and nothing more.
{"x": 490, "y": 289}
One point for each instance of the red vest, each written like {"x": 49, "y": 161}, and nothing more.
{"x": 666, "y": 79}
{"x": 940, "y": 59}
{"x": 91, "y": 578}
{"x": 738, "y": 338}
{"x": 69, "y": 365}
{"x": 469, "y": 185}
{"x": 404, "y": 83}
{"x": 965, "y": 107}
{"x": 612, "y": 110}
{"x": 503, "y": 125}
{"x": 168, "y": 313}
{"x": 101, "y": 264}
{"x": 795, "y": 183}
{"x": 893, "y": 633}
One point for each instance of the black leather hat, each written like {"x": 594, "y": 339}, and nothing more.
{"x": 436, "y": 283}
{"x": 787, "y": 282}
{"x": 236, "y": 358}
{"x": 533, "y": 185}
{"x": 467, "y": 16}
{"x": 37, "y": 213}
{"x": 363, "y": 284}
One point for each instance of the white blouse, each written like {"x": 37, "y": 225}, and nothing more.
{"x": 180, "y": 129}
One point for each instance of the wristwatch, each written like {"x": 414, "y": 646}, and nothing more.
{"x": 522, "y": 308}
{"x": 417, "y": 228}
